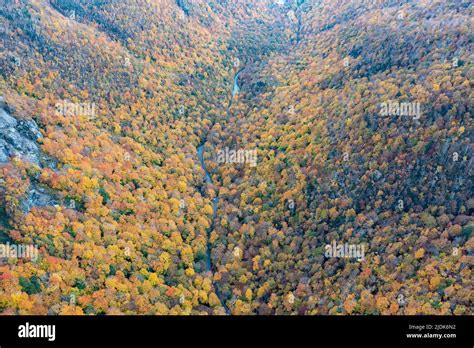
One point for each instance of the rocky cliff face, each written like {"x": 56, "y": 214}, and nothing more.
{"x": 19, "y": 138}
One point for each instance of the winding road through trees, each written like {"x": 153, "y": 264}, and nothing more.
{"x": 215, "y": 201}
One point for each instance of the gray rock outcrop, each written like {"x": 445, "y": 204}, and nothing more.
{"x": 19, "y": 138}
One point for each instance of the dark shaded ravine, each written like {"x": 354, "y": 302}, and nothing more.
{"x": 210, "y": 267}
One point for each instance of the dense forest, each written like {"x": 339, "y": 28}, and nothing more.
{"x": 212, "y": 157}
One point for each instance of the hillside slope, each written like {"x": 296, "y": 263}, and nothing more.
{"x": 339, "y": 165}
{"x": 359, "y": 117}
